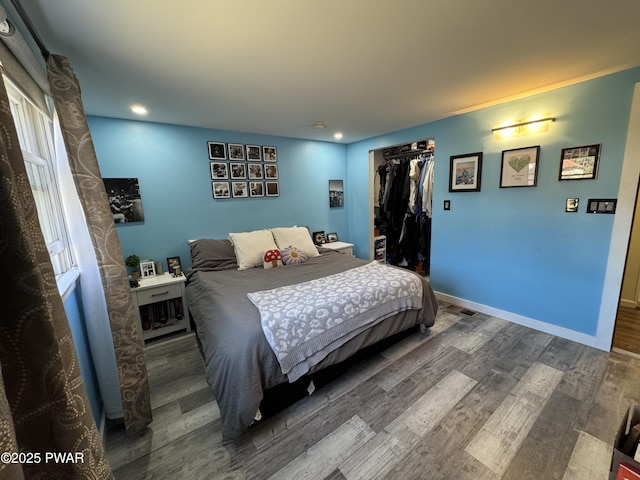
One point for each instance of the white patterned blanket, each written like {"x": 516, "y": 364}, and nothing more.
{"x": 305, "y": 322}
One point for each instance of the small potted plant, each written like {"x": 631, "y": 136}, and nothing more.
{"x": 133, "y": 261}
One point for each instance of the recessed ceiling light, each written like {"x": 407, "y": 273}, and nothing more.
{"x": 319, "y": 125}
{"x": 337, "y": 135}
{"x": 139, "y": 109}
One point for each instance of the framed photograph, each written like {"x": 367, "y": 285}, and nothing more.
{"x": 236, "y": 151}
{"x": 238, "y": 170}
{"x": 271, "y": 171}
{"x": 269, "y": 154}
{"x": 220, "y": 189}
{"x": 579, "y": 163}
{"x": 332, "y": 237}
{"x": 147, "y": 269}
{"x": 253, "y": 153}
{"x": 465, "y": 172}
{"x": 124, "y": 199}
{"x": 218, "y": 170}
{"x": 318, "y": 237}
{"x": 571, "y": 205}
{"x": 336, "y": 193}
{"x": 174, "y": 266}
{"x": 255, "y": 171}
{"x": 217, "y": 151}
{"x": 239, "y": 189}
{"x": 256, "y": 189}
{"x": 519, "y": 167}
{"x": 272, "y": 189}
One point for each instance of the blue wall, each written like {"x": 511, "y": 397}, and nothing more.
{"x": 515, "y": 249}
{"x": 172, "y": 166}
{"x": 77, "y": 324}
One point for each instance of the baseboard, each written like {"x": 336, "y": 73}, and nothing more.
{"x": 628, "y": 303}
{"x": 525, "y": 321}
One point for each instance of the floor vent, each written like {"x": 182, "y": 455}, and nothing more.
{"x": 468, "y": 312}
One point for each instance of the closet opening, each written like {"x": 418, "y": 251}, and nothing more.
{"x": 402, "y": 204}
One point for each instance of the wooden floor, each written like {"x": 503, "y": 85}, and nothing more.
{"x": 476, "y": 397}
{"x": 626, "y": 335}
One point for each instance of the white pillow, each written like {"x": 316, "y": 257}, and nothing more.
{"x": 299, "y": 237}
{"x": 250, "y": 246}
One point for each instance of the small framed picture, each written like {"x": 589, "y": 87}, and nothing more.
{"x": 220, "y": 189}
{"x": 272, "y": 189}
{"x": 239, "y": 189}
{"x": 253, "y": 153}
{"x": 255, "y": 171}
{"x": 147, "y": 269}
{"x": 579, "y": 163}
{"x": 217, "y": 151}
{"x": 236, "y": 151}
{"x": 238, "y": 170}
{"x": 218, "y": 170}
{"x": 465, "y": 172}
{"x": 318, "y": 237}
{"x": 269, "y": 154}
{"x": 519, "y": 167}
{"x": 332, "y": 237}
{"x": 271, "y": 171}
{"x": 256, "y": 189}
{"x": 571, "y": 205}
{"x": 173, "y": 263}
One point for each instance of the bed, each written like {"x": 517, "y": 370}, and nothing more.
{"x": 224, "y": 290}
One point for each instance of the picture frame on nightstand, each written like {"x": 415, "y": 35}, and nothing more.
{"x": 332, "y": 237}
{"x": 147, "y": 269}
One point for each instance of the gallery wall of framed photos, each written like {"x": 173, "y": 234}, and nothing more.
{"x": 243, "y": 171}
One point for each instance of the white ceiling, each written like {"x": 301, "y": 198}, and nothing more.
{"x": 363, "y": 67}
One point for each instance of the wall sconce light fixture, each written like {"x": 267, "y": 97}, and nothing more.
{"x": 524, "y": 127}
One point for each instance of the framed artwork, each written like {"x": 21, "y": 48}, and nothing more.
{"x": 220, "y": 189}
{"x": 519, "y": 167}
{"x": 147, "y": 269}
{"x": 579, "y": 163}
{"x": 236, "y": 151}
{"x": 255, "y": 171}
{"x": 253, "y": 153}
{"x": 269, "y": 154}
{"x": 332, "y": 237}
{"x": 124, "y": 199}
{"x": 256, "y": 189}
{"x": 336, "y": 193}
{"x": 217, "y": 151}
{"x": 238, "y": 170}
{"x": 239, "y": 189}
{"x": 571, "y": 205}
{"x": 465, "y": 172}
{"x": 318, "y": 237}
{"x": 173, "y": 264}
{"x": 271, "y": 171}
{"x": 272, "y": 189}
{"x": 218, "y": 170}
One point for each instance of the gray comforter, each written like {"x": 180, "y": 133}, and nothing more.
{"x": 240, "y": 363}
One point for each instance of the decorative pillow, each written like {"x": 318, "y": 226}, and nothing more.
{"x": 291, "y": 255}
{"x": 212, "y": 254}
{"x": 272, "y": 259}
{"x": 249, "y": 247}
{"x": 298, "y": 236}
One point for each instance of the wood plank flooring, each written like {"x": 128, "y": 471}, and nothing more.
{"x": 475, "y": 397}
{"x": 626, "y": 335}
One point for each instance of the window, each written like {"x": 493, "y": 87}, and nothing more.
{"x": 35, "y": 135}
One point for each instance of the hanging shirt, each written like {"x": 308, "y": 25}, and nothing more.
{"x": 427, "y": 188}
{"x": 414, "y": 177}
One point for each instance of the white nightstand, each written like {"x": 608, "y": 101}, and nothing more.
{"x": 161, "y": 305}
{"x": 341, "y": 247}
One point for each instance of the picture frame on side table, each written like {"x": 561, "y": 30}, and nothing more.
{"x": 318, "y": 237}
{"x": 465, "y": 172}
{"x": 579, "y": 163}
{"x": 332, "y": 237}
{"x": 147, "y": 269}
{"x": 519, "y": 167}
{"x": 174, "y": 266}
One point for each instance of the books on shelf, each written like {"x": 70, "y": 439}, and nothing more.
{"x": 161, "y": 314}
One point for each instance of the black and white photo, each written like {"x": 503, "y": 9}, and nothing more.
{"x": 272, "y": 188}
{"x": 239, "y": 189}
{"x": 236, "y": 151}
{"x": 220, "y": 189}
{"x": 336, "y": 193}
{"x": 124, "y": 199}
{"x": 271, "y": 171}
{"x": 269, "y": 154}
{"x": 256, "y": 189}
{"x": 217, "y": 151}
{"x": 238, "y": 170}
{"x": 253, "y": 153}
{"x": 218, "y": 170}
{"x": 255, "y": 171}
